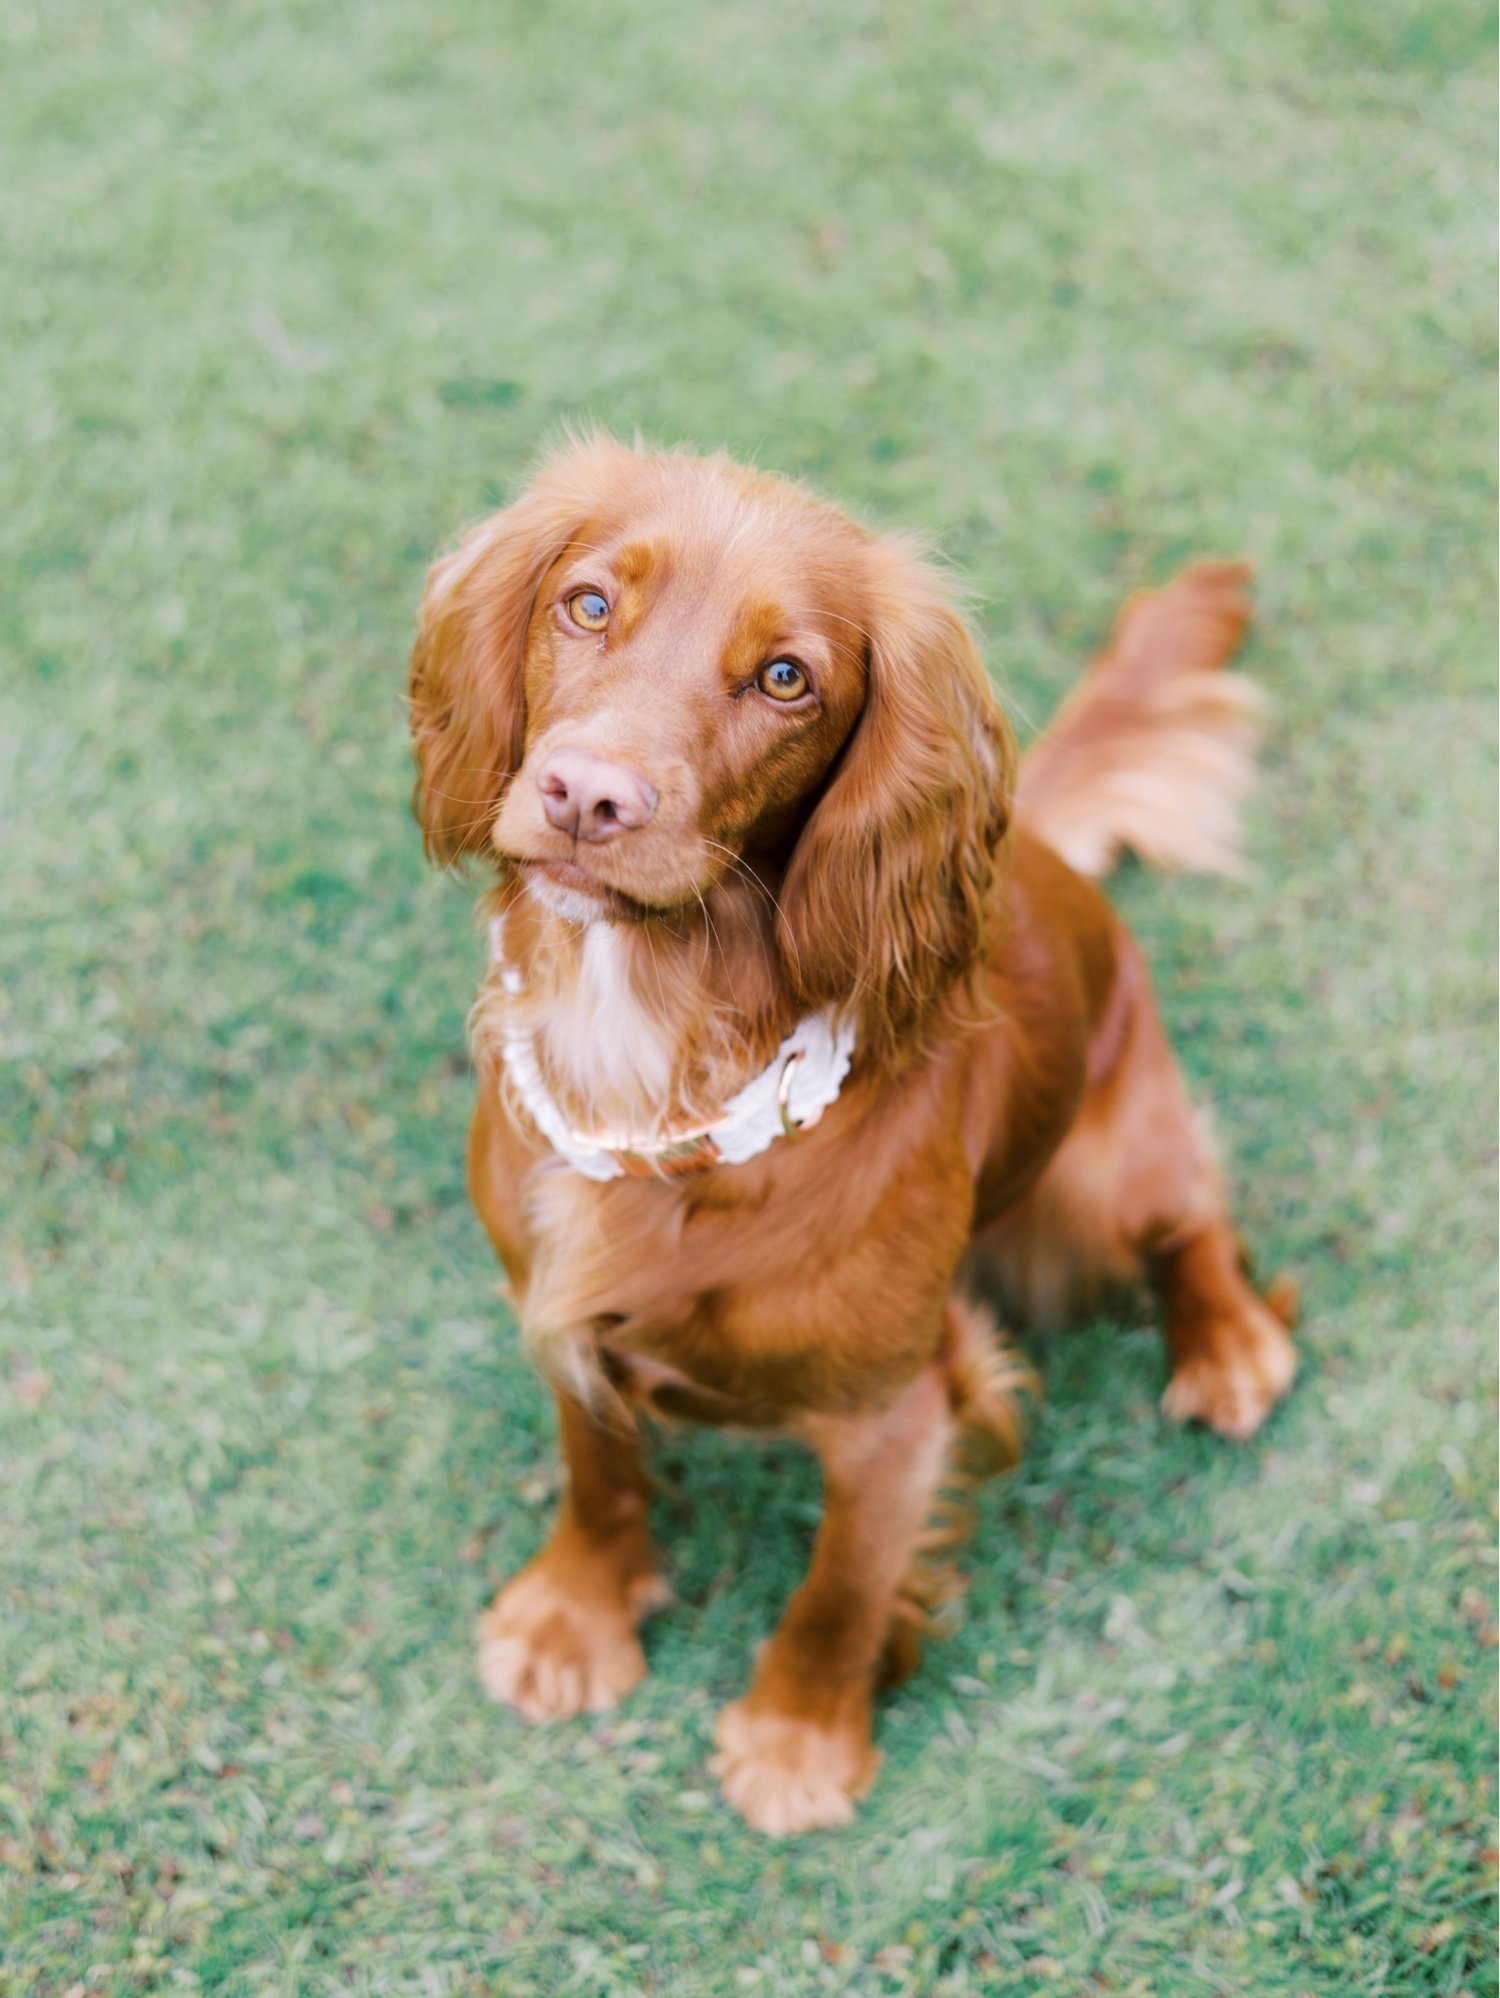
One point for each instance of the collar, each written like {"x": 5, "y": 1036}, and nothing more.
{"x": 787, "y": 1098}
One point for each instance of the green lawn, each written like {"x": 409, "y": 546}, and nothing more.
{"x": 290, "y": 292}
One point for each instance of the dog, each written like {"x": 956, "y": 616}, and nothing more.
{"x": 805, "y": 1022}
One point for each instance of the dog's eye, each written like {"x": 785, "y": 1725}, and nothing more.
{"x": 588, "y": 608}
{"x": 782, "y": 679}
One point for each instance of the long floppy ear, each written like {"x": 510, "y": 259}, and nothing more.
{"x": 468, "y": 707}
{"x": 884, "y": 904}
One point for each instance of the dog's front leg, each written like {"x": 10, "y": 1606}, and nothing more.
{"x": 561, "y": 1637}
{"x": 795, "y": 1752}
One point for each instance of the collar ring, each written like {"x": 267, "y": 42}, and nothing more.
{"x": 784, "y": 1095}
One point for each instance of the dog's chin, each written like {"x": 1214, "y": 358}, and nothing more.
{"x": 566, "y": 889}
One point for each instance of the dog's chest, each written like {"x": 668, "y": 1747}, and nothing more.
{"x": 616, "y": 1054}
{"x": 739, "y": 1309}
{"x": 621, "y": 1270}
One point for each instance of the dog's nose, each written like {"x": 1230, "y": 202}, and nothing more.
{"x": 589, "y": 799}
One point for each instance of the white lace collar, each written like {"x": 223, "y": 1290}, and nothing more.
{"x": 788, "y": 1097}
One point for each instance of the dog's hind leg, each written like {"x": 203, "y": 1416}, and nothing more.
{"x": 1232, "y": 1360}
{"x": 1134, "y": 1191}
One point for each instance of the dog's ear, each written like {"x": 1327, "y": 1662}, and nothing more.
{"x": 468, "y": 702}
{"x": 884, "y": 899}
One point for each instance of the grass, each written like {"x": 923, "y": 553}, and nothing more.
{"x": 291, "y": 292}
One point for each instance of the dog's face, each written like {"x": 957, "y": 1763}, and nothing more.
{"x": 653, "y": 666}
{"x": 689, "y": 675}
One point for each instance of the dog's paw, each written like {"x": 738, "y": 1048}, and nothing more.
{"x": 1234, "y": 1381}
{"x": 553, "y": 1644}
{"x": 785, "y": 1774}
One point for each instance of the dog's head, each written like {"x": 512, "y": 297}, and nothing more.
{"x": 653, "y": 667}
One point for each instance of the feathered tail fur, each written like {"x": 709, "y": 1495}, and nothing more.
{"x": 1154, "y": 749}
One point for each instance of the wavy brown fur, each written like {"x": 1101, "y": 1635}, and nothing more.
{"x": 890, "y": 892}
{"x": 1154, "y": 749}
{"x": 850, "y": 845}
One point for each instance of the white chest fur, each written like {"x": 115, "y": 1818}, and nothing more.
{"x": 613, "y": 1048}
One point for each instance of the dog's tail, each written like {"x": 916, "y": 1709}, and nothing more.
{"x": 1154, "y": 749}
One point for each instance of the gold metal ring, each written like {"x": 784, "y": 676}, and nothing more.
{"x": 784, "y": 1094}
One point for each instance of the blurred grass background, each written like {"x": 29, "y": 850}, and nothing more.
{"x": 290, "y": 293}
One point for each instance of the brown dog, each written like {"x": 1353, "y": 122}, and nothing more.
{"x": 796, "y": 997}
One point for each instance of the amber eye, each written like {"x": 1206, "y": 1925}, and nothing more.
{"x": 588, "y": 608}
{"x": 782, "y": 679}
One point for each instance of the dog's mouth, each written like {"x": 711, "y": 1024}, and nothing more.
{"x": 569, "y": 889}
